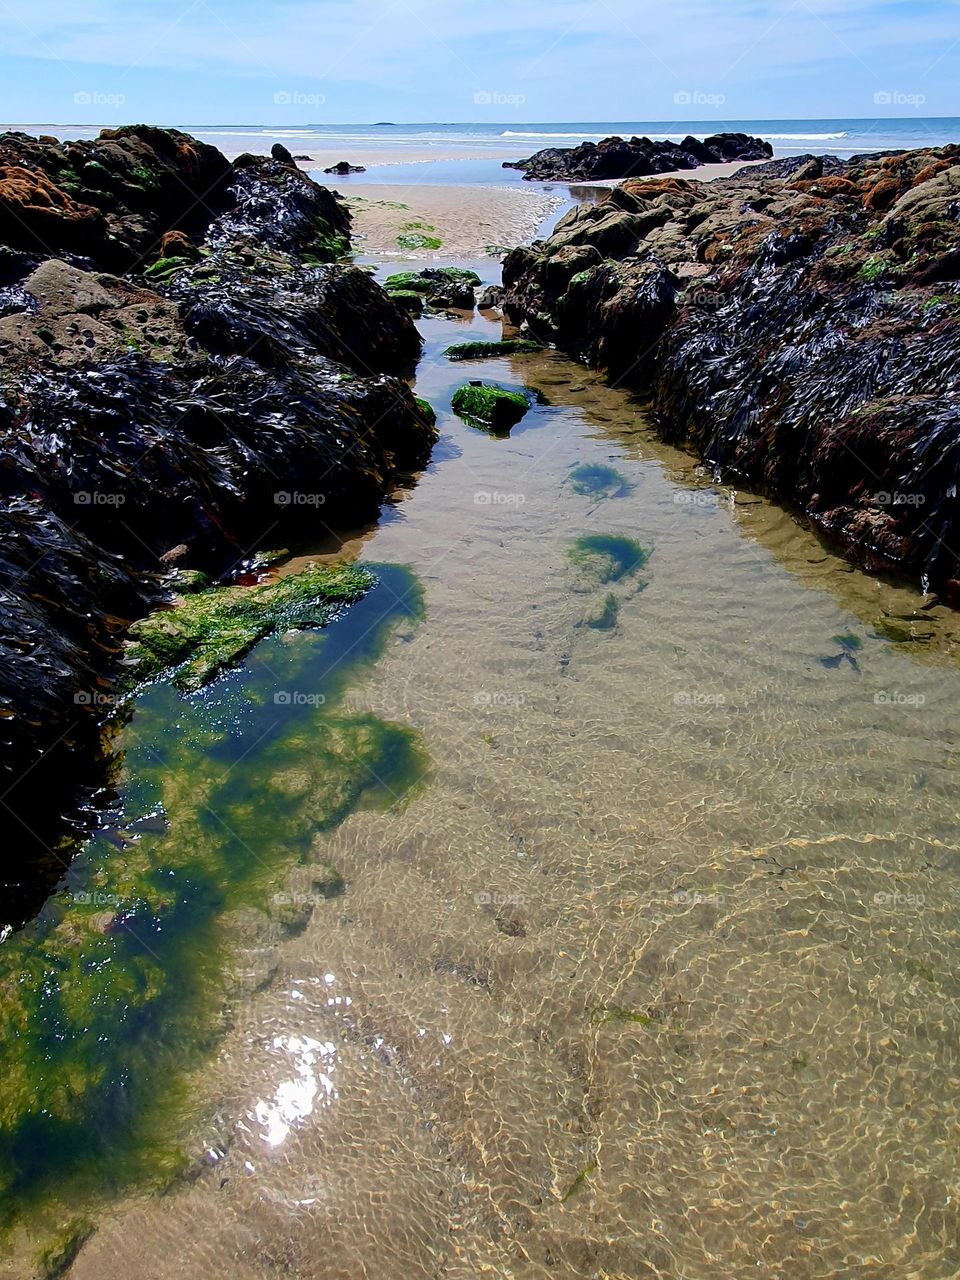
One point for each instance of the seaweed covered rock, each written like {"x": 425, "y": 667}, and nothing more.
{"x": 109, "y": 200}
{"x": 619, "y": 158}
{"x": 189, "y": 372}
{"x": 797, "y": 324}
{"x": 490, "y": 408}
{"x": 491, "y": 350}
{"x": 210, "y": 630}
{"x": 440, "y": 287}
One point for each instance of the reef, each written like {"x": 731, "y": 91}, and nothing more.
{"x": 796, "y": 324}
{"x": 189, "y": 371}
{"x": 617, "y": 157}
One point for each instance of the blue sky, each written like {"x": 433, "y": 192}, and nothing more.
{"x": 291, "y": 62}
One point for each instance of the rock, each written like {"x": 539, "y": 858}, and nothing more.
{"x": 491, "y": 350}
{"x": 490, "y": 298}
{"x": 179, "y": 405}
{"x": 442, "y": 287}
{"x": 109, "y": 199}
{"x": 490, "y": 408}
{"x": 177, "y": 245}
{"x": 797, "y": 324}
{"x": 280, "y": 153}
{"x": 344, "y": 167}
{"x": 616, "y": 158}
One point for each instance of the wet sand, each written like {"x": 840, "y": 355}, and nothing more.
{"x": 467, "y": 221}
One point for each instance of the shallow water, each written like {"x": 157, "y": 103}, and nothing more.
{"x": 628, "y": 946}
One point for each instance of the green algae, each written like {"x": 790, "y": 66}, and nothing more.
{"x": 597, "y": 480}
{"x": 165, "y": 269}
{"x": 427, "y": 409}
{"x": 605, "y": 558}
{"x": 579, "y": 1181}
{"x": 607, "y": 617}
{"x": 61, "y": 1253}
{"x": 115, "y": 992}
{"x": 490, "y": 408}
{"x": 485, "y": 350}
{"x": 420, "y": 283}
{"x": 211, "y": 630}
{"x": 409, "y": 299}
{"x": 416, "y": 235}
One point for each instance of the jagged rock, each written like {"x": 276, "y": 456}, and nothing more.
{"x": 280, "y": 153}
{"x": 797, "y": 324}
{"x": 344, "y": 167}
{"x": 616, "y": 158}
{"x": 152, "y": 406}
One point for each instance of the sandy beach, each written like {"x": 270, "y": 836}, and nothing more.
{"x": 446, "y": 222}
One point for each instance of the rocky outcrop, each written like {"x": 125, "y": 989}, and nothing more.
{"x": 186, "y": 374}
{"x": 797, "y": 324}
{"x": 344, "y": 167}
{"x": 637, "y": 157}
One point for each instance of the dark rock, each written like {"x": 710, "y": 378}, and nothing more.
{"x": 797, "y": 324}
{"x": 344, "y": 167}
{"x": 280, "y": 153}
{"x": 490, "y": 298}
{"x": 616, "y": 158}
{"x": 151, "y": 422}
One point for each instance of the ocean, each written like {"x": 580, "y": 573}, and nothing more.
{"x": 474, "y": 153}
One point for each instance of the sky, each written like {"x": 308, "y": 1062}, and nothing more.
{"x": 295, "y": 62}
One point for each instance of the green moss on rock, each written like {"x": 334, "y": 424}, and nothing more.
{"x": 490, "y": 408}
{"x": 427, "y": 409}
{"x": 211, "y": 630}
{"x": 483, "y": 350}
{"x": 409, "y": 299}
{"x": 165, "y": 269}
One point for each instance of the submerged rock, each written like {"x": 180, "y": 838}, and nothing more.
{"x": 491, "y": 408}
{"x": 618, "y": 158}
{"x": 184, "y": 372}
{"x": 344, "y": 167}
{"x": 211, "y": 630}
{"x": 490, "y": 350}
{"x": 797, "y": 324}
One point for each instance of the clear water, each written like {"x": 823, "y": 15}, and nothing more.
{"x": 638, "y": 959}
